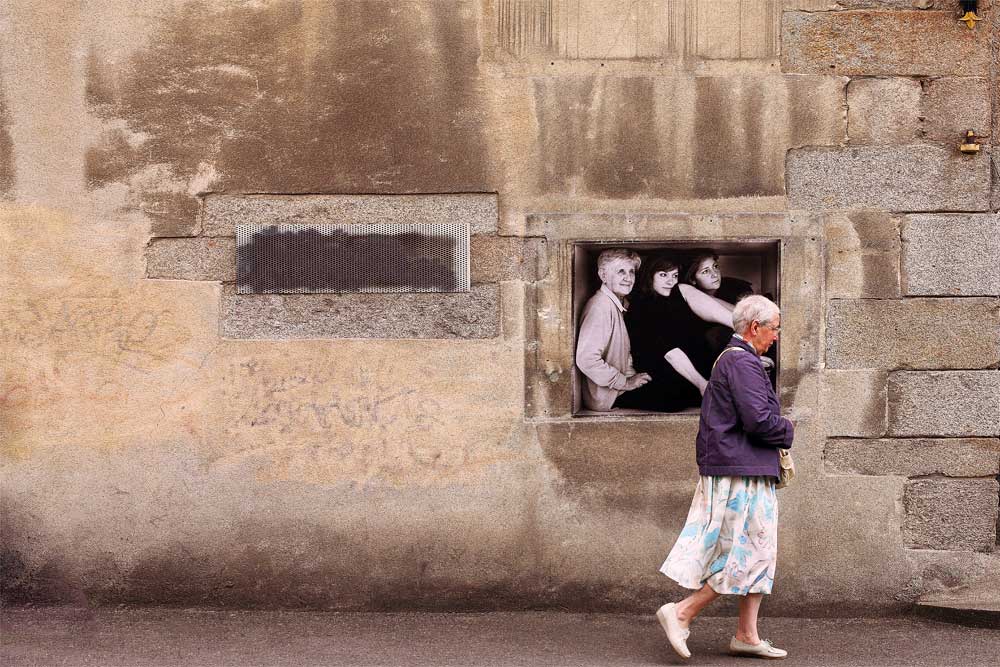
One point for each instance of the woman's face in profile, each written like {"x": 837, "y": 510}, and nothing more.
{"x": 708, "y": 277}
{"x": 664, "y": 281}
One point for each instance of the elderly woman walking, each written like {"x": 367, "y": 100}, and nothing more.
{"x": 729, "y": 544}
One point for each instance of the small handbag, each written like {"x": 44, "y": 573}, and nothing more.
{"x": 786, "y": 468}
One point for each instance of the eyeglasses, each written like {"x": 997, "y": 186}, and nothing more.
{"x": 775, "y": 329}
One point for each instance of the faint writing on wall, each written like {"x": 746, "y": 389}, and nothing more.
{"x": 327, "y": 421}
{"x": 105, "y": 327}
{"x": 640, "y": 29}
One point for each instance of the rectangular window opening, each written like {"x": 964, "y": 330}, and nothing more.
{"x": 655, "y": 322}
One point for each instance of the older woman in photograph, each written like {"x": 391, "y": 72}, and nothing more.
{"x": 665, "y": 323}
{"x": 728, "y": 545}
{"x": 603, "y": 348}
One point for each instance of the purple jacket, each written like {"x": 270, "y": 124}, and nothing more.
{"x": 741, "y": 424}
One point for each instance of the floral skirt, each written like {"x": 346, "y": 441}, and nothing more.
{"x": 730, "y": 540}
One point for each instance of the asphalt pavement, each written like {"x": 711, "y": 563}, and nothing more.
{"x": 160, "y": 637}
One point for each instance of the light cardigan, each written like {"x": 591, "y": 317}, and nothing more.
{"x": 603, "y": 350}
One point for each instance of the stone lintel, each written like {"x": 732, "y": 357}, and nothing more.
{"x": 223, "y": 212}
{"x": 474, "y": 314}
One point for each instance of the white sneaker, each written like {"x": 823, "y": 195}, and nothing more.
{"x": 667, "y": 616}
{"x": 761, "y": 650}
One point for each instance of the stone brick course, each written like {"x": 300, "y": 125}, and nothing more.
{"x": 949, "y": 5}
{"x": 915, "y": 177}
{"x": 474, "y": 314}
{"x": 497, "y": 258}
{"x": 862, "y": 256}
{"x": 950, "y": 514}
{"x": 222, "y": 212}
{"x": 897, "y": 43}
{"x": 956, "y": 255}
{"x": 196, "y": 258}
{"x": 944, "y": 403}
{"x": 893, "y": 334}
{"x": 902, "y": 110}
{"x": 952, "y": 105}
{"x": 883, "y": 111}
{"x": 854, "y": 402}
{"x": 912, "y": 457}
{"x": 492, "y": 259}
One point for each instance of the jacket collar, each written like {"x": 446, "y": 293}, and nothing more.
{"x": 738, "y": 341}
{"x": 614, "y": 298}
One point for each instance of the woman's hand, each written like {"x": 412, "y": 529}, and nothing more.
{"x": 637, "y": 380}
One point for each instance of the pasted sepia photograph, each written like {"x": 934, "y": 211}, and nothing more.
{"x": 652, "y": 319}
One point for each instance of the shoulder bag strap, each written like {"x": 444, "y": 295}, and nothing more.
{"x": 728, "y": 349}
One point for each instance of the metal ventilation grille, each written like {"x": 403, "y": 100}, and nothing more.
{"x": 296, "y": 259}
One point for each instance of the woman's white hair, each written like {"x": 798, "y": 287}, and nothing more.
{"x": 613, "y": 254}
{"x": 753, "y": 307}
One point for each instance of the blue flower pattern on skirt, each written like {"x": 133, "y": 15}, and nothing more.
{"x": 730, "y": 540}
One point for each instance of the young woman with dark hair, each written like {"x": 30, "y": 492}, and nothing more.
{"x": 666, "y": 322}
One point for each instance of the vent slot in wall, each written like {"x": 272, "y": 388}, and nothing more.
{"x": 311, "y": 258}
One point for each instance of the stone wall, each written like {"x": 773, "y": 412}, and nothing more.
{"x": 166, "y": 440}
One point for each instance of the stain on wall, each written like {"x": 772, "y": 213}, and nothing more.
{"x": 732, "y": 149}
{"x": 332, "y": 97}
{"x": 6, "y": 147}
{"x": 591, "y": 138}
{"x": 679, "y": 137}
{"x": 29, "y": 578}
{"x": 681, "y": 29}
{"x": 634, "y": 468}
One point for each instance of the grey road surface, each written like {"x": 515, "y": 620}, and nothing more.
{"x": 162, "y": 637}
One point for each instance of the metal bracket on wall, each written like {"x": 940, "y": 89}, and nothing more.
{"x": 968, "y": 10}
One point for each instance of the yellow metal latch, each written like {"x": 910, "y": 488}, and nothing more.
{"x": 970, "y": 19}
{"x": 969, "y": 145}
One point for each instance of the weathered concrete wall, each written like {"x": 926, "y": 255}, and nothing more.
{"x": 164, "y": 440}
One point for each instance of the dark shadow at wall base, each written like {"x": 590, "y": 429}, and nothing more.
{"x": 985, "y": 615}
